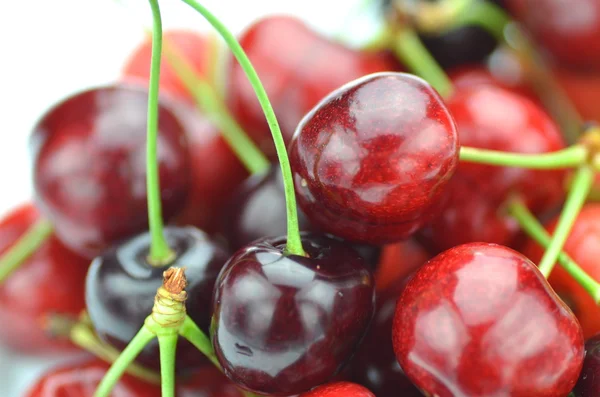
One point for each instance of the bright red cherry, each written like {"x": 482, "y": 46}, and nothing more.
{"x": 583, "y": 245}
{"x": 372, "y": 161}
{"x": 50, "y": 281}
{"x": 189, "y": 44}
{"x": 90, "y": 166}
{"x": 283, "y": 324}
{"x": 588, "y": 384}
{"x": 481, "y": 320}
{"x": 298, "y": 67}
{"x": 340, "y": 389}
{"x": 490, "y": 117}
{"x": 569, "y": 30}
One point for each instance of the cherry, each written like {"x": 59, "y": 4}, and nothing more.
{"x": 583, "y": 88}
{"x": 50, "y": 281}
{"x": 90, "y": 174}
{"x": 583, "y": 245}
{"x": 372, "y": 161}
{"x": 399, "y": 260}
{"x": 569, "y": 30}
{"x": 479, "y": 320}
{"x": 298, "y": 68}
{"x": 208, "y": 381}
{"x": 339, "y": 389}
{"x": 283, "y": 324}
{"x": 121, "y": 286}
{"x": 191, "y": 45}
{"x": 588, "y": 384}
{"x": 490, "y": 117}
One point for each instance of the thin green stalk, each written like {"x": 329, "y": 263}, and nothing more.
{"x": 207, "y": 99}
{"x": 535, "y": 230}
{"x": 167, "y": 345}
{"x": 133, "y": 349}
{"x": 33, "y": 238}
{"x": 190, "y": 331}
{"x": 294, "y": 243}
{"x": 570, "y": 157}
{"x": 487, "y": 16}
{"x": 578, "y": 192}
{"x": 160, "y": 253}
{"x": 410, "y": 50}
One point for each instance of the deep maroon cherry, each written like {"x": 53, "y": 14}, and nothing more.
{"x": 283, "y": 324}
{"x": 371, "y": 162}
{"x": 339, "y": 389}
{"x": 50, "y": 281}
{"x": 588, "y": 384}
{"x": 90, "y": 166}
{"x": 481, "y": 320}
{"x": 121, "y": 286}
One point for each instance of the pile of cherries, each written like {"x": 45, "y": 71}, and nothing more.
{"x": 409, "y": 267}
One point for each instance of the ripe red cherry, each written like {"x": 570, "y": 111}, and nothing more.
{"x": 480, "y": 320}
{"x": 492, "y": 118}
{"x": 50, "y": 281}
{"x": 372, "y": 161}
{"x": 121, "y": 286}
{"x": 588, "y": 384}
{"x": 283, "y": 324}
{"x": 399, "y": 260}
{"x": 298, "y": 68}
{"x": 340, "y": 389}
{"x": 570, "y": 30}
{"x": 583, "y": 245}
{"x": 189, "y": 44}
{"x": 90, "y": 166}
{"x": 81, "y": 380}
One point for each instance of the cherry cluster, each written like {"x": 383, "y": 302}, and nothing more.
{"x": 309, "y": 219}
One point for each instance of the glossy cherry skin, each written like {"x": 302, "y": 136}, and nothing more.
{"x": 339, "y": 389}
{"x": 588, "y": 384}
{"x": 372, "y": 161}
{"x": 90, "y": 166}
{"x": 283, "y": 324}
{"x": 490, "y": 117}
{"x": 121, "y": 286}
{"x": 298, "y": 67}
{"x": 583, "y": 245}
{"x": 481, "y": 320}
{"x": 50, "y": 281}
{"x": 569, "y": 30}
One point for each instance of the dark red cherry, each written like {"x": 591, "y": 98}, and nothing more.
{"x": 481, "y": 320}
{"x": 81, "y": 379}
{"x": 90, "y": 166}
{"x": 207, "y": 381}
{"x": 569, "y": 30}
{"x": 588, "y": 384}
{"x": 339, "y": 389}
{"x": 283, "y": 324}
{"x": 583, "y": 245}
{"x": 490, "y": 117}
{"x": 371, "y": 162}
{"x": 50, "y": 281}
{"x": 121, "y": 286}
{"x": 375, "y": 365}
{"x": 298, "y": 67}
{"x": 399, "y": 260}
{"x": 189, "y": 44}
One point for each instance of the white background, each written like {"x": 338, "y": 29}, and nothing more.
{"x": 50, "y": 48}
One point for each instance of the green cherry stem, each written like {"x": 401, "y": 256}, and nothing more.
{"x": 167, "y": 345}
{"x": 160, "y": 253}
{"x": 534, "y": 229}
{"x": 294, "y": 243}
{"x": 578, "y": 192}
{"x": 27, "y": 244}
{"x": 570, "y": 157}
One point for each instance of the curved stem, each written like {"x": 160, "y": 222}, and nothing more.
{"x": 534, "y": 229}
{"x": 137, "y": 344}
{"x": 27, "y": 244}
{"x": 190, "y": 331}
{"x": 294, "y": 243}
{"x": 167, "y": 345}
{"x": 570, "y": 157}
{"x": 582, "y": 183}
{"x": 207, "y": 99}
{"x": 160, "y": 253}
{"x": 409, "y": 49}
{"x": 487, "y": 16}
